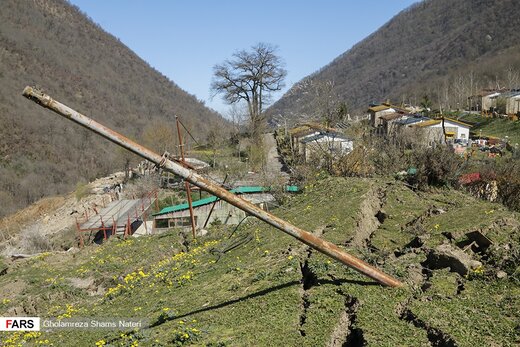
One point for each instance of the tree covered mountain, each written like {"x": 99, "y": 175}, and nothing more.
{"x": 446, "y": 49}
{"x": 51, "y": 44}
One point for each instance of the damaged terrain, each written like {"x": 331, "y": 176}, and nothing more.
{"x": 254, "y": 285}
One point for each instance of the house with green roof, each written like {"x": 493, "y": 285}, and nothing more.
{"x": 215, "y": 210}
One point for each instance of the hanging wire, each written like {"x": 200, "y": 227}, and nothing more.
{"x": 198, "y": 144}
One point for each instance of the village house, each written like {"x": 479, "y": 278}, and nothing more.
{"x": 301, "y": 132}
{"x": 479, "y": 101}
{"x": 330, "y": 143}
{"x": 214, "y": 209}
{"x": 388, "y": 123}
{"x": 455, "y": 130}
{"x": 393, "y": 123}
{"x": 378, "y": 111}
{"x": 489, "y": 101}
{"x": 300, "y": 135}
{"x": 513, "y": 105}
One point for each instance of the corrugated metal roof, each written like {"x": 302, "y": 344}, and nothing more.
{"x": 511, "y": 94}
{"x": 211, "y": 199}
{"x": 321, "y": 135}
{"x": 412, "y": 120}
{"x": 185, "y": 206}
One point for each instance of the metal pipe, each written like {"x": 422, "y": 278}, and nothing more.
{"x": 309, "y": 239}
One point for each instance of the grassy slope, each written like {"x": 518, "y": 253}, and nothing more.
{"x": 253, "y": 294}
{"x": 495, "y": 127}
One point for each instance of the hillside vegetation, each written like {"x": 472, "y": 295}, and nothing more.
{"x": 257, "y": 286}
{"x": 444, "y": 48}
{"x": 52, "y": 45}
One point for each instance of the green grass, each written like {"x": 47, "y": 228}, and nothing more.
{"x": 495, "y": 127}
{"x": 253, "y": 294}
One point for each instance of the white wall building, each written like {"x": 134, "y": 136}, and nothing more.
{"x": 455, "y": 130}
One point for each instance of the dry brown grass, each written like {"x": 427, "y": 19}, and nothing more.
{"x": 15, "y": 222}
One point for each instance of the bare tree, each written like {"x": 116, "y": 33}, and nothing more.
{"x": 238, "y": 115}
{"x": 512, "y": 77}
{"x": 460, "y": 90}
{"x": 324, "y": 103}
{"x": 250, "y": 77}
{"x": 161, "y": 136}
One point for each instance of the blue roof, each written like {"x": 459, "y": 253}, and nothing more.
{"x": 412, "y": 120}
{"x": 211, "y": 199}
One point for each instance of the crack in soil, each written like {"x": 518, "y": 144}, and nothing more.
{"x": 428, "y": 273}
{"x": 345, "y": 333}
{"x": 369, "y": 218}
{"x": 303, "y": 316}
{"x": 436, "y": 337}
{"x": 308, "y": 280}
{"x": 416, "y": 227}
{"x": 460, "y": 286}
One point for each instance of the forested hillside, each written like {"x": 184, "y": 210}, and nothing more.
{"x": 446, "y": 49}
{"x": 51, "y": 44}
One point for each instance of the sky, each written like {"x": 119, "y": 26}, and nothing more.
{"x": 184, "y": 39}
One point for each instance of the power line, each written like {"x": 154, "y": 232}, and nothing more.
{"x": 189, "y": 133}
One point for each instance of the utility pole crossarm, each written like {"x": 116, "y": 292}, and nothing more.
{"x": 309, "y": 239}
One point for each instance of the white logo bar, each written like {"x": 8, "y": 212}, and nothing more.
{"x": 19, "y": 323}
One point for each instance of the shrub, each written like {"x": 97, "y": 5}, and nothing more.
{"x": 33, "y": 241}
{"x": 437, "y": 166}
{"x": 508, "y": 182}
{"x": 82, "y": 190}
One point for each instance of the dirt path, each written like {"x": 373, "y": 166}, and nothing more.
{"x": 273, "y": 166}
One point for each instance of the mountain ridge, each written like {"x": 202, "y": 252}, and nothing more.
{"x": 415, "y": 52}
{"x": 54, "y": 46}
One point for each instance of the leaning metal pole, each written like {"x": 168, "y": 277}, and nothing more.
{"x": 186, "y": 183}
{"x": 309, "y": 239}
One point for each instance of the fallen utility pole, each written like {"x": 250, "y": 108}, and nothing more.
{"x": 309, "y": 239}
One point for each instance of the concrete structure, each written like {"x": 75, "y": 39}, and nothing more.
{"x": 178, "y": 216}
{"x": 377, "y": 111}
{"x": 489, "y": 101}
{"x": 387, "y": 123}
